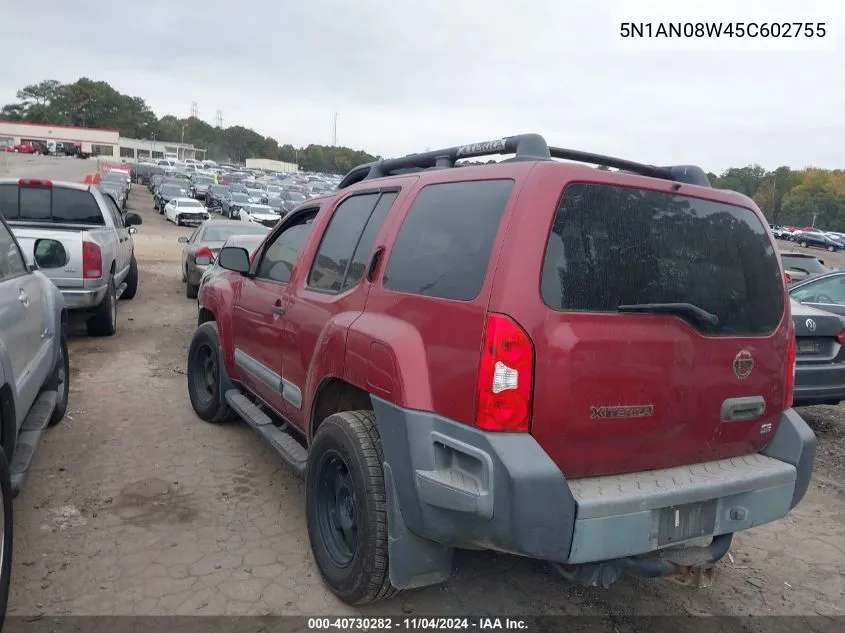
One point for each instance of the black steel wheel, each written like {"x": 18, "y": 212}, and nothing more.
{"x": 204, "y": 370}
{"x": 346, "y": 507}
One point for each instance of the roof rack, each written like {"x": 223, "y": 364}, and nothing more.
{"x": 525, "y": 147}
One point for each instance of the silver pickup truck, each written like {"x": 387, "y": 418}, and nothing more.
{"x": 99, "y": 265}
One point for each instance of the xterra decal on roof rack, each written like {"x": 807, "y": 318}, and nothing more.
{"x": 525, "y": 147}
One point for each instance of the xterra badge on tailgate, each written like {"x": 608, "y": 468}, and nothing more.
{"x": 642, "y": 411}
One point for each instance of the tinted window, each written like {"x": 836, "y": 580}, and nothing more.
{"x": 803, "y": 264}
{"x": 364, "y": 249}
{"x": 280, "y": 256}
{"x": 613, "y": 246}
{"x": 339, "y": 241}
{"x": 11, "y": 258}
{"x": 56, "y": 204}
{"x": 172, "y": 190}
{"x": 117, "y": 218}
{"x": 444, "y": 246}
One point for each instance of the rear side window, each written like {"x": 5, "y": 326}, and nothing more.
{"x": 613, "y": 246}
{"x": 444, "y": 246}
{"x": 348, "y": 240}
{"x": 49, "y": 204}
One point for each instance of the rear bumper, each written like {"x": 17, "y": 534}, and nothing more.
{"x": 83, "y": 299}
{"x": 456, "y": 486}
{"x": 815, "y": 384}
{"x": 195, "y": 273}
{"x": 191, "y": 219}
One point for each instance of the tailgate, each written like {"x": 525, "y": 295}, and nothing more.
{"x": 663, "y": 335}
{"x": 68, "y": 276}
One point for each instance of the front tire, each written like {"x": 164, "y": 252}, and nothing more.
{"x": 104, "y": 321}
{"x": 8, "y": 529}
{"x": 60, "y": 381}
{"x": 346, "y": 507}
{"x": 204, "y": 369}
{"x": 131, "y": 280}
{"x": 802, "y": 244}
{"x": 830, "y": 249}
{"x": 191, "y": 291}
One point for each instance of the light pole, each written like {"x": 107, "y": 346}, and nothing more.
{"x": 182, "y": 143}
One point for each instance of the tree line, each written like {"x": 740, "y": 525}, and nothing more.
{"x": 88, "y": 103}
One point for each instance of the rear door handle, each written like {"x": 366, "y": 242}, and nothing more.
{"x": 23, "y": 298}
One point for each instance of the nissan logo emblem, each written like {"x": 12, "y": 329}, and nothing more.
{"x": 811, "y": 325}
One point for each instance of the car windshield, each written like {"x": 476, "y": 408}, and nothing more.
{"x": 807, "y": 264}
{"x": 114, "y": 176}
{"x": 260, "y": 208}
{"x": 223, "y": 233}
{"x": 190, "y": 203}
{"x": 219, "y": 189}
{"x": 240, "y": 197}
{"x": 172, "y": 190}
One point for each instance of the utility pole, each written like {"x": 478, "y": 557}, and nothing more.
{"x": 334, "y": 131}
{"x": 195, "y": 111}
{"x": 218, "y": 119}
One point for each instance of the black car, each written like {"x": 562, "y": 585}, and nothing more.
{"x": 199, "y": 184}
{"x": 214, "y": 195}
{"x": 817, "y": 239}
{"x": 166, "y": 192}
{"x": 233, "y": 201}
{"x": 819, "y": 356}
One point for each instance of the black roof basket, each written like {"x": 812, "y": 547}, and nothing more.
{"x": 525, "y": 147}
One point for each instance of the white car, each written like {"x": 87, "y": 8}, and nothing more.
{"x": 185, "y": 211}
{"x": 259, "y": 213}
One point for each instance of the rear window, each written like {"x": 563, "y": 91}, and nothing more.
{"x": 49, "y": 204}
{"x": 443, "y": 248}
{"x": 809, "y": 265}
{"x": 613, "y": 246}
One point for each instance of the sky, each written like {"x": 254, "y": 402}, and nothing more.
{"x": 406, "y": 76}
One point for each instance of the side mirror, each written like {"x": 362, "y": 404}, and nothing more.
{"x": 132, "y": 219}
{"x": 132, "y": 230}
{"x": 234, "y": 258}
{"x": 203, "y": 261}
{"x": 49, "y": 253}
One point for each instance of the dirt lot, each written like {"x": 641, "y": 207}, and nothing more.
{"x": 135, "y": 506}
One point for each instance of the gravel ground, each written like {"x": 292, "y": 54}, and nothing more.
{"x": 135, "y": 506}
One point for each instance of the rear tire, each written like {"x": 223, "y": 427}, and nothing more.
{"x": 131, "y": 280}
{"x": 60, "y": 381}
{"x": 204, "y": 367}
{"x": 104, "y": 321}
{"x": 8, "y": 529}
{"x": 346, "y": 508}
{"x": 830, "y": 249}
{"x": 191, "y": 290}
{"x": 802, "y": 244}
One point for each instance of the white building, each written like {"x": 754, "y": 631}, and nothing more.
{"x": 271, "y": 165}
{"x": 95, "y": 141}
{"x": 134, "y": 149}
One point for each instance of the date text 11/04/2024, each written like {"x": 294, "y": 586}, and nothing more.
{"x": 420, "y": 623}
{"x": 751, "y": 30}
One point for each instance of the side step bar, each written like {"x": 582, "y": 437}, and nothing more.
{"x": 32, "y": 430}
{"x": 283, "y": 442}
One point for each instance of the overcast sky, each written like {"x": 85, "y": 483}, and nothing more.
{"x": 408, "y": 75}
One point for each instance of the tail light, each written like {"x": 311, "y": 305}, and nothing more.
{"x": 505, "y": 377}
{"x": 787, "y": 277}
{"x": 840, "y": 338}
{"x": 34, "y": 182}
{"x": 789, "y": 382}
{"x": 92, "y": 261}
{"x": 204, "y": 252}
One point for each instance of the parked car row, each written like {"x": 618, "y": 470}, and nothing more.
{"x": 809, "y": 237}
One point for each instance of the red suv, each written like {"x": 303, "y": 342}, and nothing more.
{"x": 587, "y": 366}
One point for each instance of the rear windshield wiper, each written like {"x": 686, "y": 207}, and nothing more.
{"x": 680, "y": 309}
